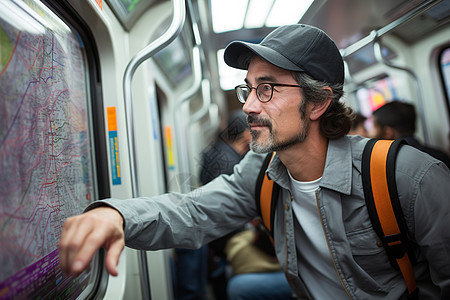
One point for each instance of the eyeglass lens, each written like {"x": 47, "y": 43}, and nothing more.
{"x": 263, "y": 92}
{"x": 244, "y": 93}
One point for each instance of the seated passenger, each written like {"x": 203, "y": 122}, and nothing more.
{"x": 398, "y": 120}
{"x": 256, "y": 272}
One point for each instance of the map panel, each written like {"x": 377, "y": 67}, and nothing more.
{"x": 45, "y": 150}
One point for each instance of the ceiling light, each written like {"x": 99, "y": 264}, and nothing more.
{"x": 228, "y": 15}
{"x": 286, "y": 12}
{"x": 229, "y": 77}
{"x": 257, "y": 13}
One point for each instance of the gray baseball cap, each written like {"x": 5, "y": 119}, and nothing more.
{"x": 295, "y": 47}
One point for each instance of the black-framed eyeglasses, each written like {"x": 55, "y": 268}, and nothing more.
{"x": 264, "y": 91}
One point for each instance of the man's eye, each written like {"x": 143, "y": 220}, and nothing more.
{"x": 266, "y": 88}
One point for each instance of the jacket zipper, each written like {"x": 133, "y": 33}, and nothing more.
{"x": 329, "y": 249}
{"x": 285, "y": 235}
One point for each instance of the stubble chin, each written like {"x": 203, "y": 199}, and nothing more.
{"x": 260, "y": 144}
{"x": 257, "y": 146}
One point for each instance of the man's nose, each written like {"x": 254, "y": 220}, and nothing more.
{"x": 252, "y": 105}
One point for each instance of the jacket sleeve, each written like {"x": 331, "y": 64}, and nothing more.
{"x": 428, "y": 215}
{"x": 191, "y": 220}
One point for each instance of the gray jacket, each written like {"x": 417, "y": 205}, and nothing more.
{"x": 363, "y": 268}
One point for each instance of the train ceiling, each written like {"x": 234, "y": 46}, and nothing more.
{"x": 333, "y": 17}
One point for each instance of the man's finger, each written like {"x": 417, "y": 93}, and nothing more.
{"x": 112, "y": 256}
{"x": 85, "y": 228}
{"x": 71, "y": 239}
{"x": 79, "y": 259}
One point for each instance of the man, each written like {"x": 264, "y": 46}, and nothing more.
{"x": 396, "y": 120}
{"x": 323, "y": 236}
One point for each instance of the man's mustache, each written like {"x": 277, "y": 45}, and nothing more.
{"x": 259, "y": 121}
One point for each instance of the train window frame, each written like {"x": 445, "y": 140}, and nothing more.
{"x": 126, "y": 17}
{"x": 365, "y": 57}
{"x": 374, "y": 93}
{"x": 445, "y": 74}
{"x": 179, "y": 45}
{"x": 94, "y": 105}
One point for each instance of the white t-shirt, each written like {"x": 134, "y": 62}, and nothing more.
{"x": 314, "y": 261}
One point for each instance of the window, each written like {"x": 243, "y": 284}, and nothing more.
{"x": 375, "y": 94}
{"x": 46, "y": 151}
{"x": 365, "y": 57}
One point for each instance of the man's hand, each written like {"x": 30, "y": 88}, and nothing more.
{"x": 83, "y": 235}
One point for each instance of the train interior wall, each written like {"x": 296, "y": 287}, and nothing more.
{"x": 116, "y": 48}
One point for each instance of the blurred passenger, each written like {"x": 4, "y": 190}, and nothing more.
{"x": 358, "y": 126}
{"x": 229, "y": 148}
{"x": 247, "y": 245}
{"x": 397, "y": 119}
{"x": 192, "y": 266}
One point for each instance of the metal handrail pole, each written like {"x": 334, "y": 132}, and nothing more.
{"x": 180, "y": 138}
{"x": 165, "y": 39}
{"x": 206, "y": 96}
{"x": 382, "y": 31}
{"x": 205, "y": 84}
{"x": 214, "y": 115}
{"x": 178, "y": 18}
{"x": 381, "y": 59}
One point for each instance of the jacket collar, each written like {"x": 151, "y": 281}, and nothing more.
{"x": 337, "y": 175}
{"x": 338, "y": 166}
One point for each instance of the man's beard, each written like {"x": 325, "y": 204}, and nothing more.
{"x": 272, "y": 144}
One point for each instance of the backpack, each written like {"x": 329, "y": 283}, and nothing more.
{"x": 380, "y": 193}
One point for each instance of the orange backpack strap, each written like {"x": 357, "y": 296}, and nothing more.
{"x": 266, "y": 195}
{"x": 380, "y": 192}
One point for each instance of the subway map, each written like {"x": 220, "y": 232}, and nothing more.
{"x": 45, "y": 152}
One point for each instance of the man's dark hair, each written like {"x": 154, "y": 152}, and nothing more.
{"x": 399, "y": 115}
{"x": 337, "y": 119}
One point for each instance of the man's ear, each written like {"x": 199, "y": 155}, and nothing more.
{"x": 319, "y": 108}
